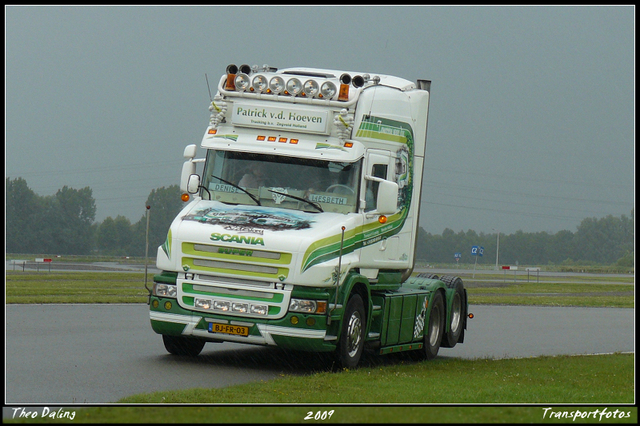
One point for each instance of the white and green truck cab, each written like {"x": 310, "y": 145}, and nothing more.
{"x": 300, "y": 229}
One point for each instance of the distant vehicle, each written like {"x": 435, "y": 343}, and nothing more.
{"x": 317, "y": 253}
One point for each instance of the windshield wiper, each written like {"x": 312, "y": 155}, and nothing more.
{"x": 253, "y": 197}
{"x": 316, "y": 205}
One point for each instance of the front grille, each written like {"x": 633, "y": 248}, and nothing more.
{"x": 234, "y": 261}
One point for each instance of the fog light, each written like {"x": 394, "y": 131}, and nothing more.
{"x": 155, "y": 303}
{"x": 259, "y": 309}
{"x": 311, "y": 321}
{"x": 294, "y": 320}
{"x": 167, "y": 305}
{"x": 240, "y": 307}
{"x": 221, "y": 305}
{"x": 202, "y": 303}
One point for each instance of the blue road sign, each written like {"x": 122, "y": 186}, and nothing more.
{"x": 477, "y": 251}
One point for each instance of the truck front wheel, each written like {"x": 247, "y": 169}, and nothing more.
{"x": 351, "y": 342}
{"x": 183, "y": 346}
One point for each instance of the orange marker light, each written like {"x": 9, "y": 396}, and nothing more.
{"x": 261, "y": 138}
{"x": 213, "y": 131}
{"x": 231, "y": 77}
{"x": 348, "y": 144}
{"x": 293, "y": 141}
{"x": 185, "y": 197}
{"x": 283, "y": 140}
{"x": 271, "y": 139}
{"x": 382, "y": 219}
{"x": 343, "y": 94}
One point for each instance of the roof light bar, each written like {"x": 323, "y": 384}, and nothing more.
{"x": 320, "y": 87}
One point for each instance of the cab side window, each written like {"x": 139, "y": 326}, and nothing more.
{"x": 371, "y": 196}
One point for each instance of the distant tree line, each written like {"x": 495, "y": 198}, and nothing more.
{"x": 64, "y": 224}
{"x": 609, "y": 240}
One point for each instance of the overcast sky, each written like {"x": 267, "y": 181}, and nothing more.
{"x": 531, "y": 127}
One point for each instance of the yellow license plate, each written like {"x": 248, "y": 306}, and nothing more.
{"x": 237, "y": 330}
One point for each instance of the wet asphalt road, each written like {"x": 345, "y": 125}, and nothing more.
{"x": 76, "y": 354}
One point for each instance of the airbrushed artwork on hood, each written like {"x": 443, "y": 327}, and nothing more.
{"x": 246, "y": 220}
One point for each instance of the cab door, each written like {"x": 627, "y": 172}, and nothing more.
{"x": 376, "y": 247}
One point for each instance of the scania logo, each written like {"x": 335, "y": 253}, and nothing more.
{"x": 240, "y": 239}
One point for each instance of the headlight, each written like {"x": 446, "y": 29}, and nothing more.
{"x": 308, "y": 306}
{"x": 165, "y": 290}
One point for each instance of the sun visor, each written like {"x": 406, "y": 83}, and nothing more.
{"x": 284, "y": 143}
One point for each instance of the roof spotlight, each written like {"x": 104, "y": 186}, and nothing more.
{"x": 328, "y": 90}
{"x": 294, "y": 87}
{"x": 310, "y": 88}
{"x": 242, "y": 82}
{"x": 259, "y": 83}
{"x": 276, "y": 85}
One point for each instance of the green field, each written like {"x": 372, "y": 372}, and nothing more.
{"x": 125, "y": 287}
{"x": 75, "y": 287}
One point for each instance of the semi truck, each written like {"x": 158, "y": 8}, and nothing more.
{"x": 300, "y": 223}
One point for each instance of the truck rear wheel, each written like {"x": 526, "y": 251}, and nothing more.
{"x": 351, "y": 342}
{"x": 435, "y": 328}
{"x": 456, "y": 324}
{"x": 183, "y": 346}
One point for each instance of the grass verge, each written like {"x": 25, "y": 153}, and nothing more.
{"x": 75, "y": 287}
{"x": 550, "y": 380}
{"x": 402, "y": 393}
{"x": 126, "y": 287}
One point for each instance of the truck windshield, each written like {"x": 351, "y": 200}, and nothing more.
{"x": 284, "y": 182}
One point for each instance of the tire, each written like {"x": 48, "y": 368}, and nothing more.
{"x": 435, "y": 327}
{"x": 351, "y": 344}
{"x": 183, "y": 346}
{"x": 458, "y": 311}
{"x": 428, "y": 275}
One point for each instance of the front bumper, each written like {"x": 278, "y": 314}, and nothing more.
{"x": 294, "y": 330}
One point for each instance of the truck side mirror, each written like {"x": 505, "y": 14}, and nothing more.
{"x": 387, "y": 202}
{"x": 193, "y": 183}
{"x": 188, "y": 169}
{"x": 190, "y": 151}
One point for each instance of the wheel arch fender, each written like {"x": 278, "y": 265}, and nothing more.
{"x": 359, "y": 284}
